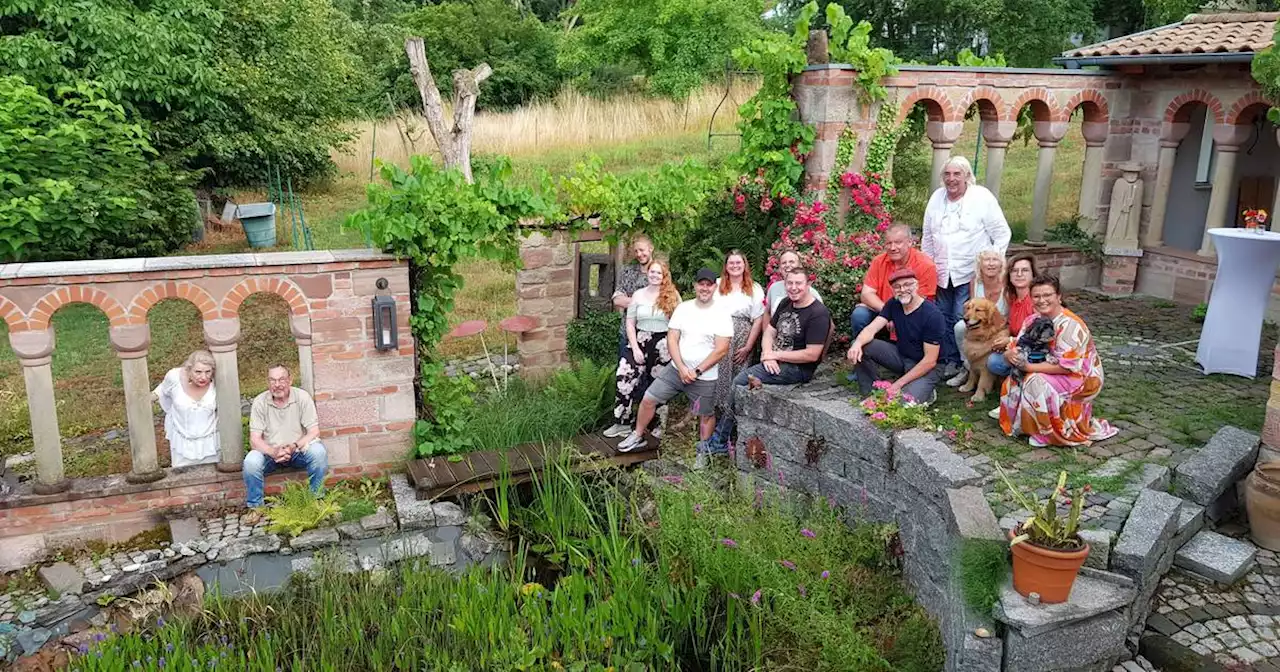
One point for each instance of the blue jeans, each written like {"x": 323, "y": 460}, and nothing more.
{"x": 951, "y": 302}
{"x": 623, "y": 346}
{"x": 788, "y": 374}
{"x": 996, "y": 364}
{"x": 861, "y": 317}
{"x": 256, "y": 467}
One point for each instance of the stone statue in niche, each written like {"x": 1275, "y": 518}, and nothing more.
{"x": 1126, "y": 209}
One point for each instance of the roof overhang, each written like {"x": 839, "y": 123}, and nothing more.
{"x": 1075, "y": 62}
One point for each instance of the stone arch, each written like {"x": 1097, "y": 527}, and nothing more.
{"x": 13, "y": 315}
{"x": 1043, "y": 105}
{"x": 51, "y": 302}
{"x": 1179, "y": 109}
{"x": 1092, "y": 102}
{"x": 1245, "y": 103}
{"x": 938, "y": 104}
{"x": 249, "y": 286}
{"x": 195, "y": 294}
{"x": 989, "y": 103}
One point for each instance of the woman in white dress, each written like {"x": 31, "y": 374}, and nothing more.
{"x": 190, "y": 408}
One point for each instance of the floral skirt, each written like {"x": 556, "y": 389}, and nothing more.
{"x": 728, "y": 368}
{"x": 634, "y": 377}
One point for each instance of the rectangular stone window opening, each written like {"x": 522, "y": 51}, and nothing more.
{"x": 1204, "y": 161}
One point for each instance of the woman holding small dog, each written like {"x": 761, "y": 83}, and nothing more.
{"x": 1051, "y": 401}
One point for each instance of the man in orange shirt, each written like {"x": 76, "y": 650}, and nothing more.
{"x": 898, "y": 253}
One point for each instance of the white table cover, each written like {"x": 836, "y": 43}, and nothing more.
{"x": 1232, "y": 329}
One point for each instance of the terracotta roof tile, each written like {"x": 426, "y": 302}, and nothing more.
{"x": 1241, "y": 32}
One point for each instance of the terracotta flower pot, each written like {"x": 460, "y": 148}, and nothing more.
{"x": 1047, "y": 572}
{"x": 1262, "y": 502}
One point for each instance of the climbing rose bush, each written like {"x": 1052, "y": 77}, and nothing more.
{"x": 837, "y": 253}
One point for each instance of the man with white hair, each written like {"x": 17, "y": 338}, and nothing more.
{"x": 960, "y": 220}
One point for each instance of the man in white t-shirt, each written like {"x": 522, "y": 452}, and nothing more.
{"x": 698, "y": 337}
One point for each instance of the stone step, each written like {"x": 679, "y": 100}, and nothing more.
{"x": 1225, "y": 459}
{"x": 1217, "y": 557}
{"x": 1190, "y": 521}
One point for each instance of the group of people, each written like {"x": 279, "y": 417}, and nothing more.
{"x": 283, "y": 428}
{"x": 908, "y": 328}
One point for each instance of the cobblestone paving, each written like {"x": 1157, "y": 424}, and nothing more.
{"x": 1154, "y": 393}
{"x": 1232, "y": 624}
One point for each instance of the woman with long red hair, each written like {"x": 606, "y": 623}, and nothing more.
{"x": 743, "y": 298}
{"x": 646, "y": 327}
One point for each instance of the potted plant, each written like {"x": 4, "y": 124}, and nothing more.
{"x": 1047, "y": 549}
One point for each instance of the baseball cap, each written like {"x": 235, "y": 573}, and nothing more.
{"x": 902, "y": 274}
{"x": 704, "y": 273}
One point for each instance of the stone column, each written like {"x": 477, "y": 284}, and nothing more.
{"x": 301, "y": 327}
{"x": 1048, "y": 135}
{"x": 131, "y": 344}
{"x": 996, "y": 135}
{"x": 943, "y": 135}
{"x": 222, "y": 335}
{"x": 1227, "y": 139}
{"x": 1170, "y": 138}
{"x": 35, "y": 352}
{"x": 1095, "y": 138}
{"x": 1275, "y": 206}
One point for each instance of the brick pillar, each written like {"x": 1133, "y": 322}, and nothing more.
{"x": 546, "y": 291}
{"x": 1271, "y": 426}
{"x": 1120, "y": 272}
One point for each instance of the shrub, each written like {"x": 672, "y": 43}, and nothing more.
{"x": 571, "y": 401}
{"x": 79, "y": 181}
{"x": 837, "y": 254}
{"x": 594, "y": 336}
{"x": 745, "y": 217}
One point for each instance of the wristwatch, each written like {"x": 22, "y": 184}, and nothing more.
{"x": 697, "y": 372}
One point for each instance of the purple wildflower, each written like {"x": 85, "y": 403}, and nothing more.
{"x": 755, "y": 597}
{"x": 161, "y": 661}
{"x": 826, "y": 574}
{"x": 732, "y": 451}
{"x": 768, "y": 460}
{"x": 635, "y": 562}
{"x": 697, "y": 508}
{"x": 831, "y": 502}
{"x": 729, "y": 542}
{"x": 673, "y": 479}
{"x": 788, "y": 564}
{"x": 83, "y": 648}
{"x": 780, "y": 477}
{"x": 807, "y": 533}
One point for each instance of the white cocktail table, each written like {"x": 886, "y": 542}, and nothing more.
{"x": 1232, "y": 329}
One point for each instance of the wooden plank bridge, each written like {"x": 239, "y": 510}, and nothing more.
{"x": 479, "y": 471}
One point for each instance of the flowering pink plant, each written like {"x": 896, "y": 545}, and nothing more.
{"x": 837, "y": 253}
{"x": 893, "y": 410}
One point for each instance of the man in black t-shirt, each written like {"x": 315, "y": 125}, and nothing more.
{"x": 913, "y": 358}
{"x": 794, "y": 339}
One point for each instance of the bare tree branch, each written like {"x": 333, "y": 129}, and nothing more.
{"x": 455, "y": 141}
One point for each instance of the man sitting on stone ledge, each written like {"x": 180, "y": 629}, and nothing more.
{"x": 794, "y": 338}
{"x": 283, "y": 432}
{"x": 914, "y": 357}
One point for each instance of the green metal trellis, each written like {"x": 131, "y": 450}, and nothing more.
{"x": 280, "y": 191}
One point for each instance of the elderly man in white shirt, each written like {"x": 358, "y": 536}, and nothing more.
{"x": 960, "y": 220}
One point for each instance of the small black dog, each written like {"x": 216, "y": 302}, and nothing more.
{"x": 1035, "y": 340}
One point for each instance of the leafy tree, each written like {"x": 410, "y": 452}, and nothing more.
{"x": 676, "y": 44}
{"x": 288, "y": 73}
{"x": 1030, "y": 33}
{"x": 78, "y": 180}
{"x": 1266, "y": 70}
{"x": 465, "y": 33}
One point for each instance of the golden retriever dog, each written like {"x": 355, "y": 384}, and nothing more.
{"x": 985, "y": 328}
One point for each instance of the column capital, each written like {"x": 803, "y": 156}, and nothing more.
{"x": 1050, "y": 133}
{"x": 1229, "y": 137}
{"x": 33, "y": 348}
{"x": 131, "y": 341}
{"x": 998, "y": 134}
{"x": 222, "y": 334}
{"x": 1095, "y": 133}
{"x": 300, "y": 325}
{"x": 943, "y": 134}
{"x": 1173, "y": 132}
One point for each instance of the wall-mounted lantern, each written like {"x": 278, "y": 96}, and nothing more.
{"x": 384, "y": 320}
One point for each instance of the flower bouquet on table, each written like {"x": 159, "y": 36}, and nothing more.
{"x": 1255, "y": 220}
{"x": 894, "y": 410}
{"x": 1047, "y": 549}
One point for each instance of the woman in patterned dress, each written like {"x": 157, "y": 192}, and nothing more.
{"x": 1052, "y": 402}
{"x": 646, "y": 326}
{"x": 743, "y": 299}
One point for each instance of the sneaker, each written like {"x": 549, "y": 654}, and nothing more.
{"x": 617, "y": 430}
{"x": 994, "y": 413}
{"x": 1035, "y": 442}
{"x": 958, "y": 379}
{"x": 632, "y": 442}
{"x": 254, "y": 517}
{"x": 952, "y": 369}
